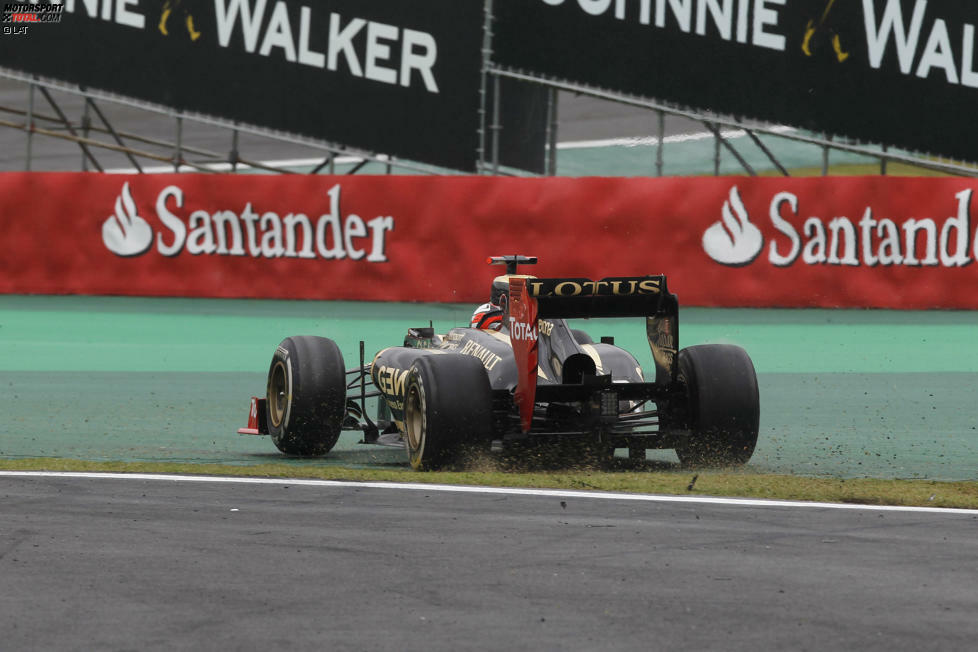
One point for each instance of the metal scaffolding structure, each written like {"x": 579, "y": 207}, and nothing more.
{"x": 43, "y": 114}
{"x": 95, "y": 133}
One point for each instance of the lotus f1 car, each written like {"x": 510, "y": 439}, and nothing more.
{"x": 534, "y": 380}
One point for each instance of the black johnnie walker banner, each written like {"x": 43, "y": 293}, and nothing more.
{"x": 902, "y": 72}
{"x": 394, "y": 76}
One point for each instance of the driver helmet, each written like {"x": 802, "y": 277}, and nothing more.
{"x": 488, "y": 316}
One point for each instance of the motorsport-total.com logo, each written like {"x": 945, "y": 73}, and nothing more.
{"x": 871, "y": 241}
{"x": 18, "y": 16}
{"x": 128, "y": 234}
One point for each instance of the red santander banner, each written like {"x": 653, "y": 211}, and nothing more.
{"x": 880, "y": 242}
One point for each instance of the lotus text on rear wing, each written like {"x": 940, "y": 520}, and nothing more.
{"x": 608, "y": 287}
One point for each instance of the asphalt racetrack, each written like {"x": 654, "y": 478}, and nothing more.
{"x": 844, "y": 393}
{"x": 120, "y": 563}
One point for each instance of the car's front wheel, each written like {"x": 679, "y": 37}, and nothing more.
{"x": 306, "y": 395}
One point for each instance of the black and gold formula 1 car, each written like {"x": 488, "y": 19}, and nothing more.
{"x": 534, "y": 381}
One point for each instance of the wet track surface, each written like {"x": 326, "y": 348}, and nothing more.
{"x": 150, "y": 564}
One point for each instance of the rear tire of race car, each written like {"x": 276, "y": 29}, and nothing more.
{"x": 722, "y": 406}
{"x": 306, "y": 395}
{"x": 447, "y": 410}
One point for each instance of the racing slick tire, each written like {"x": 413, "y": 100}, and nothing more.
{"x": 723, "y": 406}
{"x": 306, "y": 395}
{"x": 447, "y": 410}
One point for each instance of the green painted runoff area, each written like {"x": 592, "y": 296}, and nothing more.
{"x": 844, "y": 393}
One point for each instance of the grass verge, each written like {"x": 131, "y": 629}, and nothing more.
{"x": 924, "y": 493}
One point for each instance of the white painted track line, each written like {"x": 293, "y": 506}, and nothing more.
{"x": 651, "y": 141}
{"x": 509, "y": 491}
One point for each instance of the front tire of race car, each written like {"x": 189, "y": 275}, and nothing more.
{"x": 722, "y": 406}
{"x": 447, "y": 410}
{"x": 306, "y": 395}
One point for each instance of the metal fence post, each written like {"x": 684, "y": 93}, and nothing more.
{"x": 484, "y": 85}
{"x": 30, "y": 125}
{"x": 883, "y": 161}
{"x": 825, "y": 158}
{"x": 496, "y": 127}
{"x": 661, "y": 143}
{"x": 716, "y": 152}
{"x": 178, "y": 149}
{"x": 86, "y": 125}
{"x": 234, "y": 154}
{"x": 550, "y": 169}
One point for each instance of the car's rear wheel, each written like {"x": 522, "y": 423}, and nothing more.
{"x": 306, "y": 395}
{"x": 447, "y": 410}
{"x": 722, "y": 406}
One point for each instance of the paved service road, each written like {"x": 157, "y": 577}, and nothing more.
{"x": 149, "y": 564}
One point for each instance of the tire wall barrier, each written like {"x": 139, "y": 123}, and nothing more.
{"x": 878, "y": 242}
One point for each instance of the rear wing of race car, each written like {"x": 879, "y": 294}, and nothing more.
{"x": 532, "y": 299}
